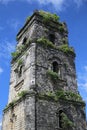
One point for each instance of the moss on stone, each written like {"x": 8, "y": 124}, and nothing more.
{"x": 45, "y": 42}
{"x": 28, "y": 18}
{"x": 66, "y": 49}
{"x": 65, "y": 121}
{"x": 22, "y": 94}
{"x": 52, "y": 75}
{"x": 47, "y": 17}
{"x": 20, "y": 49}
{"x": 11, "y": 104}
{"x": 61, "y": 94}
{"x": 20, "y": 62}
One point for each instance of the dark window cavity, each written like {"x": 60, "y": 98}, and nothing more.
{"x": 55, "y": 67}
{"x": 52, "y": 38}
{"x": 60, "y": 118}
{"x": 20, "y": 71}
{"x": 24, "y": 41}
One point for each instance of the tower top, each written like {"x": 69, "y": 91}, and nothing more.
{"x": 51, "y": 21}
{"x": 42, "y": 26}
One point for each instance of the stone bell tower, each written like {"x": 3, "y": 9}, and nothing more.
{"x": 43, "y": 89}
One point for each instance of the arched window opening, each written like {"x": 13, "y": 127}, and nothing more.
{"x": 20, "y": 71}
{"x": 52, "y": 38}
{"x": 55, "y": 67}
{"x": 24, "y": 40}
{"x": 60, "y": 119}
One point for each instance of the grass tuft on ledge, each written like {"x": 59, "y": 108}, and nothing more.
{"x": 53, "y": 75}
{"x": 61, "y": 94}
{"x": 45, "y": 42}
{"x": 66, "y": 49}
{"x": 20, "y": 95}
{"x": 47, "y": 17}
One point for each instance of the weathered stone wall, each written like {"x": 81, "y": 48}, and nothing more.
{"x": 27, "y": 79}
{"x": 21, "y": 116}
{"x": 45, "y": 58}
{"x": 14, "y": 118}
{"x": 48, "y": 118}
{"x": 30, "y": 113}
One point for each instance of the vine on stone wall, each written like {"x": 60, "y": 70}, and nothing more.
{"x": 66, "y": 122}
